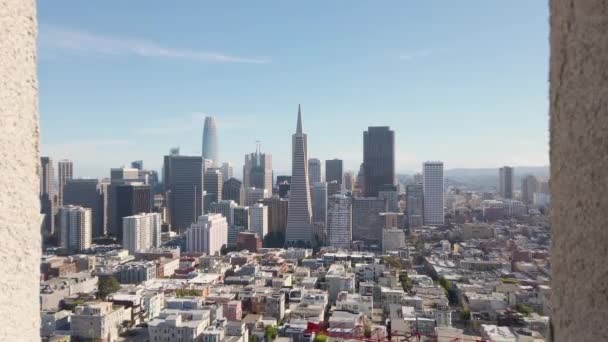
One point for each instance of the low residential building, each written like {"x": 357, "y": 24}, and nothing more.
{"x": 136, "y": 272}
{"x": 339, "y": 279}
{"x": 275, "y": 305}
{"x": 54, "y": 291}
{"x": 176, "y": 325}
{"x": 98, "y": 321}
{"x": 233, "y": 310}
{"x": 355, "y": 303}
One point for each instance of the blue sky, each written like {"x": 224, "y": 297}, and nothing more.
{"x": 462, "y": 82}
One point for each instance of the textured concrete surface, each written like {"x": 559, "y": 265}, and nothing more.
{"x": 19, "y": 184}
{"x": 579, "y": 169}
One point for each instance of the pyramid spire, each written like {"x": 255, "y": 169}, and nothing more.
{"x": 299, "y": 128}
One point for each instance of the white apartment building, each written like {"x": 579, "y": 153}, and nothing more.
{"x": 98, "y": 321}
{"x": 339, "y": 221}
{"x": 208, "y": 234}
{"x": 258, "y": 220}
{"x": 75, "y": 227}
{"x": 433, "y": 188}
{"x": 141, "y": 232}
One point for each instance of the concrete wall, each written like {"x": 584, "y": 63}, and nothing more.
{"x": 19, "y": 184}
{"x": 579, "y": 169}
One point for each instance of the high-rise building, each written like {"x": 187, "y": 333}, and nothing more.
{"x": 283, "y": 185}
{"x": 392, "y": 239}
{"x": 339, "y": 221}
{"x": 233, "y": 190}
{"x": 333, "y": 188}
{"x": 141, "y": 232}
{"x": 319, "y": 210}
{"x": 240, "y": 223}
{"x": 314, "y": 171}
{"x": 213, "y": 187}
{"x": 257, "y": 170}
{"x": 254, "y": 195}
{"x": 207, "y": 235}
{"x": 277, "y": 214}
{"x": 433, "y": 190}
{"x": 529, "y": 185}
{"x": 65, "y": 172}
{"x": 418, "y": 178}
{"x": 128, "y": 199}
{"x": 367, "y": 223}
{"x": 391, "y": 196}
{"x": 123, "y": 174}
{"x": 74, "y": 228}
{"x": 258, "y": 220}
{"x": 378, "y": 159}
{"x": 86, "y": 193}
{"x": 333, "y": 171}
{"x": 544, "y": 188}
{"x": 226, "y": 208}
{"x": 349, "y": 181}
{"x": 48, "y": 195}
{"x": 183, "y": 182}
{"x": 299, "y": 219}
{"x": 505, "y": 182}
{"x": 137, "y": 164}
{"x": 414, "y": 205}
{"x": 227, "y": 171}
{"x": 210, "y": 141}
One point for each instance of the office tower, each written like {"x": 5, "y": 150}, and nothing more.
{"x": 254, "y": 195}
{"x": 433, "y": 191}
{"x": 529, "y": 185}
{"x": 505, "y": 182}
{"x": 414, "y": 205}
{"x": 299, "y": 223}
{"x": 391, "y": 196}
{"x": 240, "y": 223}
{"x": 392, "y": 239}
{"x": 48, "y": 195}
{"x": 213, "y": 187}
{"x": 378, "y": 159}
{"x": 283, "y": 184}
{"x": 333, "y": 188}
{"x": 257, "y": 170}
{"x": 65, "y": 172}
{"x": 226, "y": 208}
{"x": 210, "y": 141}
{"x": 314, "y": 171}
{"x": 123, "y": 174}
{"x": 418, "y": 178}
{"x": 227, "y": 171}
{"x": 137, "y": 164}
{"x": 339, "y": 221}
{"x": 74, "y": 228}
{"x": 319, "y": 210}
{"x": 128, "y": 199}
{"x": 258, "y": 220}
{"x": 544, "y": 188}
{"x": 207, "y": 235}
{"x": 141, "y": 232}
{"x": 367, "y": 223}
{"x": 333, "y": 171}
{"x": 183, "y": 182}
{"x": 86, "y": 193}
{"x": 233, "y": 190}
{"x": 349, "y": 181}
{"x": 360, "y": 182}
{"x": 277, "y": 214}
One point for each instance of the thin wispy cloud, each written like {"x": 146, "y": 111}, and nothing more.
{"x": 415, "y": 55}
{"x": 89, "y": 43}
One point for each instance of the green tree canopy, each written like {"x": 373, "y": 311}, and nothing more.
{"x": 106, "y": 286}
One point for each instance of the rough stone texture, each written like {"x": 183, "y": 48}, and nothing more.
{"x": 19, "y": 184}
{"x": 579, "y": 169}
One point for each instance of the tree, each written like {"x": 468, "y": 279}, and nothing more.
{"x": 106, "y": 286}
{"x": 188, "y": 293}
{"x": 320, "y": 338}
{"x": 254, "y": 338}
{"x": 465, "y": 315}
{"x": 393, "y": 262}
{"x": 524, "y": 309}
{"x": 270, "y": 333}
{"x": 405, "y": 281}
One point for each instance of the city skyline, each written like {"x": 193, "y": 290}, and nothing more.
{"x": 362, "y": 67}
